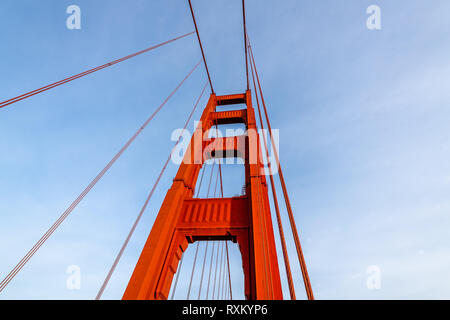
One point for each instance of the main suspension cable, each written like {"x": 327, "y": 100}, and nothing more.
{"x": 245, "y": 44}
{"x": 82, "y": 74}
{"x": 277, "y": 209}
{"x": 215, "y": 273}
{"x": 144, "y": 207}
{"x": 201, "y": 180}
{"x": 301, "y": 258}
{"x": 201, "y": 46}
{"x": 50, "y": 231}
{"x": 224, "y": 273}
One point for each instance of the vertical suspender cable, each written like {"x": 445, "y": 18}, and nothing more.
{"x": 215, "y": 273}
{"x": 229, "y": 274}
{"x": 220, "y": 167}
{"x": 221, "y": 274}
{"x": 226, "y": 243}
{"x": 201, "y": 180}
{"x": 224, "y": 272}
{"x": 221, "y": 183}
{"x": 193, "y": 270}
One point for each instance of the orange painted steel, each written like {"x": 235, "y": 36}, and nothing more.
{"x": 183, "y": 220}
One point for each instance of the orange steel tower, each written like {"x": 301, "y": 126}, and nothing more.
{"x": 183, "y": 220}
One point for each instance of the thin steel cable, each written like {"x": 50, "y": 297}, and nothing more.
{"x": 227, "y": 292}
{"x": 50, "y": 231}
{"x": 215, "y": 274}
{"x": 203, "y": 271}
{"x": 221, "y": 183}
{"x": 201, "y": 46}
{"x": 223, "y": 275}
{"x": 219, "y": 175}
{"x": 193, "y": 271}
{"x": 274, "y": 194}
{"x": 82, "y": 74}
{"x": 119, "y": 255}
{"x": 245, "y": 44}
{"x": 259, "y": 193}
{"x": 210, "y": 269}
{"x": 224, "y": 283}
{"x": 201, "y": 180}
{"x": 210, "y": 179}
{"x": 301, "y": 258}
{"x": 224, "y": 289}
{"x": 220, "y": 167}
{"x": 217, "y": 180}
{"x": 207, "y": 196}
{"x": 219, "y": 281}
{"x": 222, "y": 293}
{"x": 229, "y": 273}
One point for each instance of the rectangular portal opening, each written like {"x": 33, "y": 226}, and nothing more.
{"x": 206, "y": 262}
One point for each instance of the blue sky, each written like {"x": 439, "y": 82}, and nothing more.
{"x": 363, "y": 119}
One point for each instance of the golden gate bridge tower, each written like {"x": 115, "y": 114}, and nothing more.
{"x": 184, "y": 219}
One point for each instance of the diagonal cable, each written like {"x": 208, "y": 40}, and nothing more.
{"x": 82, "y": 74}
